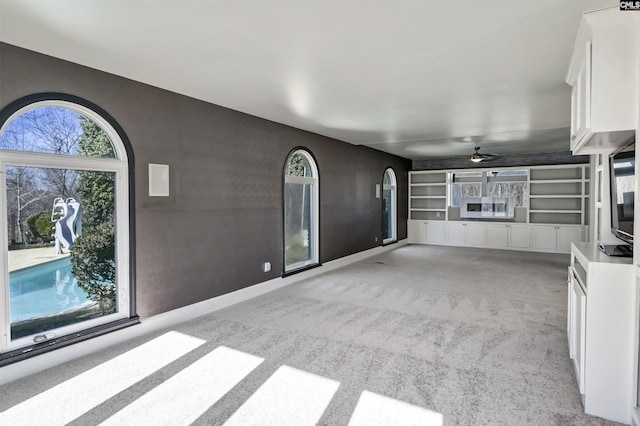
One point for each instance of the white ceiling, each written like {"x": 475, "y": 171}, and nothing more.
{"x": 418, "y": 79}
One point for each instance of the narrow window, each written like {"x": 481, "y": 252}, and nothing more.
{"x": 389, "y": 207}
{"x": 300, "y": 211}
{"x": 65, "y": 215}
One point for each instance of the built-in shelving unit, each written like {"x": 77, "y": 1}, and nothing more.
{"x": 428, "y": 195}
{"x": 555, "y": 215}
{"x": 559, "y": 194}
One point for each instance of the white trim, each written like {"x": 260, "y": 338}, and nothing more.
{"x": 172, "y": 318}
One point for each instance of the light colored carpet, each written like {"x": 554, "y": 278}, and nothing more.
{"x": 476, "y": 335}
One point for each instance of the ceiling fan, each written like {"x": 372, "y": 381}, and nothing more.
{"x": 476, "y": 157}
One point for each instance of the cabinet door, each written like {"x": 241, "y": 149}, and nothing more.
{"x": 570, "y": 309}
{"x": 581, "y": 102}
{"x": 544, "y": 237}
{"x": 434, "y": 232}
{"x": 475, "y": 234}
{"x": 567, "y": 234}
{"x": 498, "y": 235}
{"x": 578, "y": 332}
{"x": 519, "y": 236}
{"x": 415, "y": 232}
{"x": 455, "y": 234}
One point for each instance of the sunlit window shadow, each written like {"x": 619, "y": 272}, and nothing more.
{"x": 67, "y": 401}
{"x": 288, "y": 397}
{"x": 373, "y": 409}
{"x": 183, "y": 398}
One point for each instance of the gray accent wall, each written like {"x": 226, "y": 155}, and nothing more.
{"x": 223, "y": 218}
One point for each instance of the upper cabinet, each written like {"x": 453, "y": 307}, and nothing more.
{"x": 603, "y": 74}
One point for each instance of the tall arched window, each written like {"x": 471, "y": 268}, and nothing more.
{"x": 389, "y": 207}
{"x": 64, "y": 192}
{"x": 301, "y": 210}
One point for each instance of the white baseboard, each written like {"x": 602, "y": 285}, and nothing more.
{"x": 168, "y": 319}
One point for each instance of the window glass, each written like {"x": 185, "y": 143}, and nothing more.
{"x": 66, "y": 224}
{"x": 300, "y": 211}
{"x": 389, "y": 206}
{"x": 519, "y": 191}
{"x": 491, "y": 183}
{"x": 298, "y": 220}
{"x": 298, "y": 165}
{"x": 460, "y": 190}
{"x": 67, "y": 216}
{"x": 56, "y": 130}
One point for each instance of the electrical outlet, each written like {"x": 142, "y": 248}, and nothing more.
{"x": 375, "y": 239}
{"x": 266, "y": 267}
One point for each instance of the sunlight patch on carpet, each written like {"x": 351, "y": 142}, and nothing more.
{"x": 288, "y": 397}
{"x": 67, "y": 401}
{"x": 373, "y": 409}
{"x": 186, "y": 396}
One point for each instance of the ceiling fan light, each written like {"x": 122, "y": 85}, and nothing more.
{"x": 476, "y": 158}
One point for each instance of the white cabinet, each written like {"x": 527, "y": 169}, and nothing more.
{"x": 456, "y": 233}
{"x": 434, "y": 232}
{"x": 602, "y": 300}
{"x": 466, "y": 234}
{"x": 426, "y": 232}
{"x": 498, "y": 235}
{"x": 519, "y": 236}
{"x": 566, "y": 235}
{"x": 576, "y": 326}
{"x": 508, "y": 235}
{"x": 415, "y": 232}
{"x": 581, "y": 99}
{"x": 602, "y": 67}
{"x": 544, "y": 237}
{"x": 555, "y": 237}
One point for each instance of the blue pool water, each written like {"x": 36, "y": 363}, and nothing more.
{"x": 43, "y": 290}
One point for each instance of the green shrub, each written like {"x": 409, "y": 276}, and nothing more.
{"x": 40, "y": 226}
{"x": 93, "y": 265}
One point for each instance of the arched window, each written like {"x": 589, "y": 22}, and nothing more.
{"x": 64, "y": 192}
{"x": 301, "y": 210}
{"x": 389, "y": 207}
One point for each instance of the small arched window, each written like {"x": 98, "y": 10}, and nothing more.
{"x": 389, "y": 207}
{"x": 64, "y": 188}
{"x": 301, "y": 211}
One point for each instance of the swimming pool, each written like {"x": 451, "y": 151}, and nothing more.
{"x": 43, "y": 290}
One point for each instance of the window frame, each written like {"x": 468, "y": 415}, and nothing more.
{"x": 314, "y": 181}
{"x": 122, "y": 167}
{"x": 393, "y": 219}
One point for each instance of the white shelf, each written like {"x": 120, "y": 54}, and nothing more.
{"x": 556, "y": 196}
{"x": 429, "y": 196}
{"x": 555, "y": 211}
{"x": 428, "y": 210}
{"x": 429, "y": 184}
{"x": 557, "y": 181}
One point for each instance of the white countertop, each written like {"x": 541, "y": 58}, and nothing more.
{"x": 591, "y": 253}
